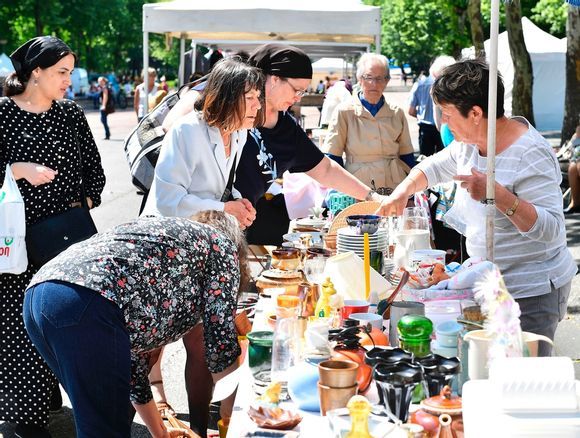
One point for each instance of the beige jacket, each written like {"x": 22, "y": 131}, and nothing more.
{"x": 372, "y": 145}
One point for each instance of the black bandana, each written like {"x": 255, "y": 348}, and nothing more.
{"x": 43, "y": 52}
{"x": 281, "y": 60}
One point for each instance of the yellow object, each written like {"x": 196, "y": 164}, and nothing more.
{"x": 367, "y": 265}
{"x": 223, "y": 428}
{"x": 323, "y": 307}
{"x": 359, "y": 409}
{"x": 272, "y": 393}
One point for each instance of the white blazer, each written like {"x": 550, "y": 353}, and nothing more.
{"x": 192, "y": 171}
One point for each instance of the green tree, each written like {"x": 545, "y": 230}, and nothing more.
{"x": 551, "y": 16}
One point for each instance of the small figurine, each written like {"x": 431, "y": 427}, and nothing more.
{"x": 323, "y": 307}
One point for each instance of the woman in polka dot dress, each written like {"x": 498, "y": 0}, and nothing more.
{"x": 38, "y": 138}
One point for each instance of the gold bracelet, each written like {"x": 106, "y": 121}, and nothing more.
{"x": 512, "y": 210}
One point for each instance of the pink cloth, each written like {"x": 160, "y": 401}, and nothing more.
{"x": 301, "y": 193}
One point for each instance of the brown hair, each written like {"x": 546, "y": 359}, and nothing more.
{"x": 228, "y": 225}
{"x": 222, "y": 101}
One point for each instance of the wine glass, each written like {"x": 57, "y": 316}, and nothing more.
{"x": 415, "y": 218}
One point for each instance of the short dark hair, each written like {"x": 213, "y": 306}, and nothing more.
{"x": 465, "y": 84}
{"x": 222, "y": 101}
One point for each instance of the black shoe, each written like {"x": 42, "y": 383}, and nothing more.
{"x": 31, "y": 431}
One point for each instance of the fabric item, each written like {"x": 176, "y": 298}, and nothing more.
{"x": 408, "y": 159}
{"x": 42, "y": 51}
{"x": 192, "y": 170}
{"x": 144, "y": 108}
{"x": 446, "y": 135}
{"x": 429, "y": 140}
{"x": 301, "y": 193}
{"x": 575, "y": 151}
{"x": 268, "y": 153}
{"x": 282, "y": 60}
{"x": 541, "y": 314}
{"x": 86, "y": 343}
{"x": 372, "y": 145}
{"x": 335, "y": 95}
{"x": 105, "y": 123}
{"x": 165, "y": 274}
{"x": 372, "y": 108}
{"x": 529, "y": 261}
{"x": 272, "y": 222}
{"x": 25, "y": 380}
{"x": 420, "y": 99}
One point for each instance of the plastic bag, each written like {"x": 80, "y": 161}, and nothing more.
{"x": 13, "y": 258}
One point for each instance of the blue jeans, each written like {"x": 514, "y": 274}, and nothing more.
{"x": 105, "y": 124}
{"x": 83, "y": 339}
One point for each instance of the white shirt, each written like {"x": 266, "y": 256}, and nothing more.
{"x": 529, "y": 261}
{"x": 192, "y": 171}
{"x": 143, "y": 108}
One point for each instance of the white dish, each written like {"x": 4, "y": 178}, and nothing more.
{"x": 348, "y": 232}
{"x": 311, "y": 222}
{"x": 295, "y": 237}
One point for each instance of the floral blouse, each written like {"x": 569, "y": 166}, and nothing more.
{"x": 165, "y": 274}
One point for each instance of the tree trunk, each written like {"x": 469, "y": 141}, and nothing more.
{"x": 523, "y": 75}
{"x": 38, "y": 18}
{"x": 572, "y": 99}
{"x": 474, "y": 13}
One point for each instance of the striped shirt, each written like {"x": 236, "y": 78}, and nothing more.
{"x": 530, "y": 261}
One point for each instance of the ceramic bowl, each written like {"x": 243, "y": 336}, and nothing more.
{"x": 364, "y": 223}
{"x": 286, "y": 259}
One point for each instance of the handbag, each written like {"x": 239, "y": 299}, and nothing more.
{"x": 13, "y": 258}
{"x": 228, "y": 195}
{"x": 51, "y": 236}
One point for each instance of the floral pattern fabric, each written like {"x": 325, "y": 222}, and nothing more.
{"x": 165, "y": 274}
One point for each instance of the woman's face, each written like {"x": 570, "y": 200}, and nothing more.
{"x": 464, "y": 129}
{"x": 53, "y": 81}
{"x": 282, "y": 93}
{"x": 253, "y": 105}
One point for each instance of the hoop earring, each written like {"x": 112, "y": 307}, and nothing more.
{"x": 36, "y": 82}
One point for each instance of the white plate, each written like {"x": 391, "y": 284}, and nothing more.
{"x": 361, "y": 247}
{"x": 311, "y": 222}
{"x": 347, "y": 231}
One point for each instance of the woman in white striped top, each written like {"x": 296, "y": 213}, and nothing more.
{"x": 530, "y": 233}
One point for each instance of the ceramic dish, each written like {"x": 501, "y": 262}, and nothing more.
{"x": 311, "y": 222}
{"x": 316, "y": 237}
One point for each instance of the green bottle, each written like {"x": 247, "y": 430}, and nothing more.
{"x": 415, "y": 337}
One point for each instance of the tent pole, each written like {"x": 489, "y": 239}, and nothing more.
{"x": 378, "y": 44}
{"x": 181, "y": 60}
{"x": 146, "y": 69}
{"x": 193, "y": 58}
{"x": 491, "y": 131}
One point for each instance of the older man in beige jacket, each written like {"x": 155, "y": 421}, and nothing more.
{"x": 371, "y": 133}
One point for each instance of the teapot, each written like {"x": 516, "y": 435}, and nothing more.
{"x": 479, "y": 343}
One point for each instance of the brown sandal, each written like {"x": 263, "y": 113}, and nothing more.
{"x": 164, "y": 408}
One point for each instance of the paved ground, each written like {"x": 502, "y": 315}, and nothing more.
{"x": 121, "y": 203}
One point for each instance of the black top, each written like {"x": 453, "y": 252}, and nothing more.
{"x": 268, "y": 153}
{"x": 49, "y": 138}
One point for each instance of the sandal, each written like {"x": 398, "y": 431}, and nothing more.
{"x": 163, "y": 407}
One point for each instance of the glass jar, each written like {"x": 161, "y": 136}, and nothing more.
{"x": 415, "y": 334}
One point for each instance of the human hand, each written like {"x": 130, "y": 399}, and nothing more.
{"x": 475, "y": 184}
{"x": 36, "y": 174}
{"x": 392, "y": 205}
{"x": 176, "y": 432}
{"x": 242, "y": 210}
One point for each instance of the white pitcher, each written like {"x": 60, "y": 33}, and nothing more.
{"x": 479, "y": 342}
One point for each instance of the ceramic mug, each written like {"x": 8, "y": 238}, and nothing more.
{"x": 353, "y": 306}
{"x": 368, "y": 318}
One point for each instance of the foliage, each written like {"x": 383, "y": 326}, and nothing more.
{"x": 551, "y": 16}
{"x": 105, "y": 34}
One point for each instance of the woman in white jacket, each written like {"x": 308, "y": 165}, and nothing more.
{"x": 198, "y": 158}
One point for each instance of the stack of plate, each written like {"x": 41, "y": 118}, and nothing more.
{"x": 348, "y": 240}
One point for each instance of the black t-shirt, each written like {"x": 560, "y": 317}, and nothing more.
{"x": 268, "y": 153}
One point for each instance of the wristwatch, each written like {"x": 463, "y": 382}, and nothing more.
{"x": 371, "y": 195}
{"x": 511, "y": 211}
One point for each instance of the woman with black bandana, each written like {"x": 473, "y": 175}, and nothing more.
{"x": 40, "y": 145}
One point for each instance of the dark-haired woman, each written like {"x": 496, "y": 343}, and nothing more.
{"x": 203, "y": 148}
{"x": 530, "y": 233}
{"x": 39, "y": 140}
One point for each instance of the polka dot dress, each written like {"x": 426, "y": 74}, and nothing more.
{"x": 26, "y": 382}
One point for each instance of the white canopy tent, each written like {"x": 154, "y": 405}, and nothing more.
{"x": 323, "y": 28}
{"x": 548, "y": 56}
{"x": 5, "y": 65}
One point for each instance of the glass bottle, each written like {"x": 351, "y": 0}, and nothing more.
{"x": 359, "y": 409}
{"x": 415, "y": 334}
{"x": 286, "y": 342}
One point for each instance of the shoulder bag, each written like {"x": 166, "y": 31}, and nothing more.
{"x": 49, "y": 237}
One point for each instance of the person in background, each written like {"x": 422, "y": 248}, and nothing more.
{"x": 529, "y": 231}
{"x": 163, "y": 84}
{"x": 574, "y": 174}
{"x": 98, "y": 310}
{"x": 106, "y": 94}
{"x": 371, "y": 133}
{"x": 320, "y": 87}
{"x": 140, "y": 101}
{"x": 335, "y": 95}
{"x": 40, "y": 141}
{"x": 69, "y": 94}
{"x": 278, "y": 145}
{"x": 421, "y": 106}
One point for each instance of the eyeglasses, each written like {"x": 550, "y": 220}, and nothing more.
{"x": 371, "y": 79}
{"x": 297, "y": 91}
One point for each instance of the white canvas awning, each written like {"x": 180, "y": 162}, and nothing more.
{"x": 5, "y": 65}
{"x": 319, "y": 25}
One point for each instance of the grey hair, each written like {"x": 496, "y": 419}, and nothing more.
{"x": 440, "y": 63}
{"x": 371, "y": 59}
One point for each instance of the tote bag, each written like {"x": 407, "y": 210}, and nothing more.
{"x": 13, "y": 259}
